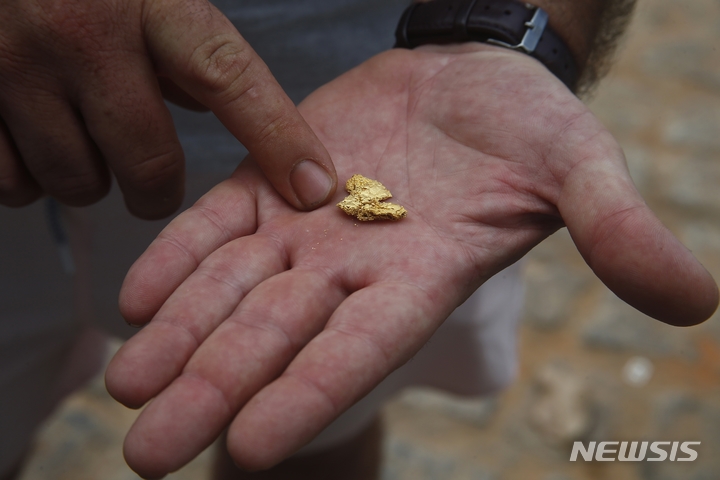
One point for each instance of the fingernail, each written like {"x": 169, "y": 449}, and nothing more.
{"x": 311, "y": 183}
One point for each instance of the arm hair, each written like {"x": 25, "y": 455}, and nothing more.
{"x": 614, "y": 20}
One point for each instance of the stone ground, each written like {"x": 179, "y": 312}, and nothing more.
{"x": 591, "y": 367}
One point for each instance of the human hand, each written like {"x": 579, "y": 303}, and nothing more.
{"x": 81, "y": 86}
{"x": 275, "y": 321}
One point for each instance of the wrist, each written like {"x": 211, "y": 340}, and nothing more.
{"x": 510, "y": 24}
{"x": 576, "y": 22}
{"x": 584, "y": 33}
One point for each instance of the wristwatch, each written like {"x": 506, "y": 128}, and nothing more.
{"x": 507, "y": 23}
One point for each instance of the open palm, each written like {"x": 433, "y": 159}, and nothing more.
{"x": 276, "y": 321}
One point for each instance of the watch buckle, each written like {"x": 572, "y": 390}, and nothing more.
{"x": 535, "y": 29}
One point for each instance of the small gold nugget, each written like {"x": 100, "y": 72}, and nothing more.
{"x": 364, "y": 201}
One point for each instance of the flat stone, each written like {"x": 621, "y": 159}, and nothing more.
{"x": 561, "y": 407}
{"x": 695, "y": 124}
{"x": 624, "y": 106}
{"x": 405, "y": 460}
{"x": 702, "y": 236}
{"x": 665, "y": 16}
{"x": 430, "y": 434}
{"x": 557, "y": 476}
{"x": 640, "y": 161}
{"x": 84, "y": 440}
{"x": 693, "y": 60}
{"x": 475, "y": 411}
{"x": 558, "y": 247}
{"x": 685, "y": 417}
{"x": 619, "y": 327}
{"x": 692, "y": 182}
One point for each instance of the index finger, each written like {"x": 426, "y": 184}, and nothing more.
{"x": 372, "y": 333}
{"x": 201, "y": 51}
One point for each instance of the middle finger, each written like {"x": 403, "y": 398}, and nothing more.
{"x": 242, "y": 355}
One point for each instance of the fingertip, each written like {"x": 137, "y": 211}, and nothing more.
{"x": 140, "y": 454}
{"x": 675, "y": 310}
{"x": 250, "y": 444}
{"x": 155, "y": 205}
{"x": 118, "y": 382}
{"x": 134, "y": 307}
{"x": 278, "y": 421}
{"x": 153, "y": 188}
{"x": 181, "y": 422}
{"x": 135, "y": 458}
{"x": 249, "y": 458}
{"x": 649, "y": 268}
{"x": 312, "y": 183}
{"x": 698, "y": 306}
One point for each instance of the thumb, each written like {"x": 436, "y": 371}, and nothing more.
{"x": 628, "y": 247}
{"x": 199, "y": 49}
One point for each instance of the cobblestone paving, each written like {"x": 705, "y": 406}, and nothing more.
{"x": 591, "y": 367}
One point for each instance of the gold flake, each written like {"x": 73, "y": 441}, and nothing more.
{"x": 365, "y": 201}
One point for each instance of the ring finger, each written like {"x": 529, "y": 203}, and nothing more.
{"x": 56, "y": 149}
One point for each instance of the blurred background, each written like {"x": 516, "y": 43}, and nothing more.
{"x": 591, "y": 368}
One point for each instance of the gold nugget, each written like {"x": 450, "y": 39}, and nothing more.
{"x": 364, "y": 201}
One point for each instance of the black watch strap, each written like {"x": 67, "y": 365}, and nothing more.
{"x": 508, "y": 23}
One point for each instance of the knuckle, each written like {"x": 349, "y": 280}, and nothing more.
{"x": 154, "y": 170}
{"x": 69, "y": 28}
{"x": 272, "y": 128}
{"x": 79, "y": 189}
{"x": 77, "y": 23}
{"x": 50, "y": 39}
{"x": 222, "y": 67}
{"x": 19, "y": 69}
